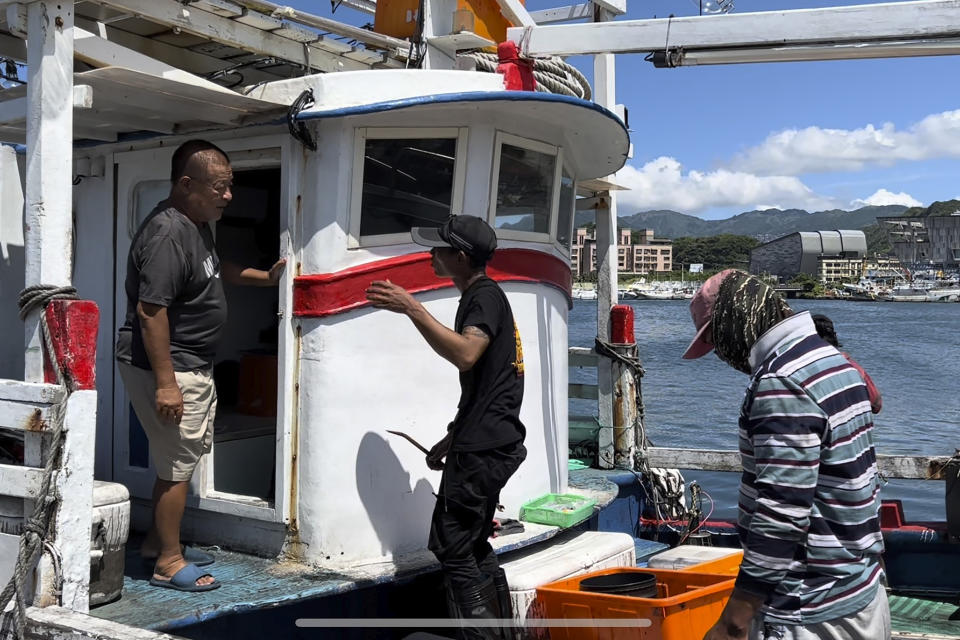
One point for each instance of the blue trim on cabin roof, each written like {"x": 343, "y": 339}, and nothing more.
{"x": 468, "y": 96}
{"x": 19, "y": 149}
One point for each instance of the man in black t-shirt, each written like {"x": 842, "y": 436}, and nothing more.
{"x": 176, "y": 310}
{"x": 484, "y": 443}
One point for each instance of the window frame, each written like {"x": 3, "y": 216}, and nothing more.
{"x": 361, "y": 135}
{"x": 566, "y": 250}
{"x": 502, "y": 138}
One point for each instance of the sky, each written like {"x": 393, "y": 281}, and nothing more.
{"x": 719, "y": 140}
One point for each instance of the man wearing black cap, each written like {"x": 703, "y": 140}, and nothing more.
{"x": 484, "y": 443}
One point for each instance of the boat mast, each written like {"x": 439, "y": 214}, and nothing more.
{"x": 604, "y": 80}
{"x": 48, "y": 236}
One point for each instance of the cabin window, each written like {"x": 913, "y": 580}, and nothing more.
{"x": 568, "y": 196}
{"x": 526, "y": 192}
{"x": 405, "y": 178}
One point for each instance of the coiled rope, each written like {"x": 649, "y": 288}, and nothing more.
{"x": 38, "y": 527}
{"x": 38, "y": 295}
{"x": 553, "y": 75}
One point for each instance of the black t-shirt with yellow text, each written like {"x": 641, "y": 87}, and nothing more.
{"x": 488, "y": 414}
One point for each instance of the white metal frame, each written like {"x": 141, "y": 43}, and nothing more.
{"x": 361, "y": 135}
{"x": 826, "y": 33}
{"x": 265, "y": 151}
{"x": 502, "y": 138}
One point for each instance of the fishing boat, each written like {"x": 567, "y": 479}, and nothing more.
{"x": 580, "y": 293}
{"x": 655, "y": 294}
{"x": 943, "y": 294}
{"x": 341, "y": 140}
{"x": 906, "y": 294}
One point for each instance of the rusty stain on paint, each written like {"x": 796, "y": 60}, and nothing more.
{"x": 35, "y": 421}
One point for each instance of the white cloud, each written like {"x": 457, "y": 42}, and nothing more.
{"x": 816, "y": 150}
{"x": 662, "y": 184}
{"x": 883, "y": 197}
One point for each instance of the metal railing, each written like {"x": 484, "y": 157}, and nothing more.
{"x": 63, "y": 574}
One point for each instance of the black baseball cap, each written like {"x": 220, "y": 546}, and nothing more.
{"x": 469, "y": 234}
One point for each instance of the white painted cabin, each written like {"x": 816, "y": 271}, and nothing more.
{"x": 319, "y": 476}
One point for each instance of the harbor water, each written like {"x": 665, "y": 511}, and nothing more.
{"x": 911, "y": 350}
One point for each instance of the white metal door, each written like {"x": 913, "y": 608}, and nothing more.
{"x": 142, "y": 181}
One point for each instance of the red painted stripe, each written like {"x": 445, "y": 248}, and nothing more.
{"x": 326, "y": 294}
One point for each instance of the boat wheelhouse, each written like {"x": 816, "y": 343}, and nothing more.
{"x": 331, "y": 171}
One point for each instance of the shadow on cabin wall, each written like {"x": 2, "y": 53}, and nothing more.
{"x": 398, "y": 511}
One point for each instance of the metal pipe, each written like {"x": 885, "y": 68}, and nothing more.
{"x": 333, "y": 26}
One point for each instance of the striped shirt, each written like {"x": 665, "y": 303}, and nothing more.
{"x": 810, "y": 491}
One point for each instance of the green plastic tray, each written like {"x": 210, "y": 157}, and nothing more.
{"x": 558, "y": 509}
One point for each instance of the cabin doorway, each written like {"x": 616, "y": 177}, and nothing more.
{"x": 240, "y": 475}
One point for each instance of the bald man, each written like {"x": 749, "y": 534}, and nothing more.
{"x": 176, "y": 310}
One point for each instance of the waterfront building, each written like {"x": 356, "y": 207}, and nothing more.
{"x": 638, "y": 252}
{"x": 929, "y": 240}
{"x": 831, "y": 256}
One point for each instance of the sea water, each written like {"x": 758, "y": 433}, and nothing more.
{"x": 911, "y": 350}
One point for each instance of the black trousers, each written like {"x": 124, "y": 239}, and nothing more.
{"x": 463, "y": 516}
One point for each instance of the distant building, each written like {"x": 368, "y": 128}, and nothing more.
{"x": 647, "y": 255}
{"x": 931, "y": 240}
{"x": 650, "y": 254}
{"x": 882, "y": 268}
{"x": 828, "y": 255}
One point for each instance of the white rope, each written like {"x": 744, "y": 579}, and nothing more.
{"x": 553, "y": 75}
{"x": 37, "y": 528}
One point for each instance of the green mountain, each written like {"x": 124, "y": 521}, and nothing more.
{"x": 770, "y": 223}
{"x": 944, "y": 208}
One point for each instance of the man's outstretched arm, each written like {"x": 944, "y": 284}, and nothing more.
{"x": 462, "y": 350}
{"x": 235, "y": 274}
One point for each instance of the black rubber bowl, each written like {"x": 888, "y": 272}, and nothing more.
{"x": 638, "y": 585}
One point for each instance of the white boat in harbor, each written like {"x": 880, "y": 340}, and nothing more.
{"x": 918, "y": 294}
{"x": 655, "y": 294}
{"x": 584, "y": 294}
{"x": 905, "y": 294}
{"x": 947, "y": 294}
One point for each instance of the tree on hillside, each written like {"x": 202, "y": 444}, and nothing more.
{"x": 939, "y": 208}
{"x": 878, "y": 242}
{"x": 724, "y": 251}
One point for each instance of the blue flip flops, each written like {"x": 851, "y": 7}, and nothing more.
{"x": 190, "y": 554}
{"x": 186, "y": 580}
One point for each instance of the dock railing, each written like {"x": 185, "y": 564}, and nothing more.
{"x": 38, "y": 410}
{"x": 908, "y": 467}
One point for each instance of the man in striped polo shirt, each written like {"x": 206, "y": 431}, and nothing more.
{"x": 810, "y": 491}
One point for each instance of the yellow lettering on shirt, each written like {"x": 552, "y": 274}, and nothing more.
{"x": 518, "y": 365}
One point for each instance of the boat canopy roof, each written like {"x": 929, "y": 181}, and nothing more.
{"x": 598, "y": 140}
{"x": 112, "y": 101}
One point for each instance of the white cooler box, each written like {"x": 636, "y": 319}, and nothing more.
{"x": 567, "y": 555}
{"x": 688, "y": 555}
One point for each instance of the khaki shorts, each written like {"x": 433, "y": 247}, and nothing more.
{"x": 175, "y": 449}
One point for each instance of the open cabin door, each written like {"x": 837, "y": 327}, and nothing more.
{"x": 246, "y": 473}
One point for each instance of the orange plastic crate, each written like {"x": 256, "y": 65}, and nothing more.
{"x": 727, "y": 566}
{"x": 688, "y": 605}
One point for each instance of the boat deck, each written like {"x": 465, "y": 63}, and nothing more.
{"x": 924, "y": 618}
{"x": 251, "y": 583}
